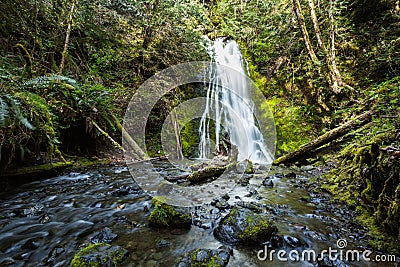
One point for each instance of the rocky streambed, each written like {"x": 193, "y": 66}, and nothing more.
{"x": 101, "y": 215}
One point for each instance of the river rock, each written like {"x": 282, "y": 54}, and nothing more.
{"x": 268, "y": 183}
{"x": 103, "y": 236}
{"x": 290, "y": 175}
{"x": 100, "y": 254}
{"x": 162, "y": 243}
{"x": 164, "y": 215}
{"x": 244, "y": 226}
{"x": 205, "y": 257}
{"x": 245, "y": 166}
{"x": 327, "y": 262}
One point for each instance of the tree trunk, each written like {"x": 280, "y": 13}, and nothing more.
{"x": 65, "y": 51}
{"x": 177, "y": 136}
{"x": 304, "y": 151}
{"x": 315, "y": 24}
{"x": 332, "y": 55}
{"x": 304, "y": 32}
{"x": 105, "y": 134}
{"x": 134, "y": 148}
{"x": 174, "y": 120}
{"x": 330, "y": 72}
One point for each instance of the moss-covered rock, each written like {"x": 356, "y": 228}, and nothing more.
{"x": 250, "y": 167}
{"x": 165, "y": 215}
{"x": 244, "y": 226}
{"x": 100, "y": 254}
{"x": 245, "y": 166}
{"x": 205, "y": 258}
{"x": 38, "y": 170}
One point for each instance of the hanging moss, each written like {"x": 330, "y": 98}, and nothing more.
{"x": 27, "y": 58}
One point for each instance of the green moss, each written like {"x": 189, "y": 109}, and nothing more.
{"x": 38, "y": 170}
{"x": 190, "y": 138}
{"x": 255, "y": 231}
{"x": 78, "y": 261}
{"x": 210, "y": 261}
{"x": 369, "y": 179}
{"x": 249, "y": 167}
{"x": 117, "y": 256}
{"x": 207, "y": 172}
{"x": 292, "y": 130}
{"x": 164, "y": 215}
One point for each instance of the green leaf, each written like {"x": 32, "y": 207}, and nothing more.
{"x": 18, "y": 113}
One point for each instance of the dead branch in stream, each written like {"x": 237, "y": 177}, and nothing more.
{"x": 307, "y": 150}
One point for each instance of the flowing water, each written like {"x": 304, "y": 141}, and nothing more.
{"x": 46, "y": 222}
{"x": 229, "y": 103}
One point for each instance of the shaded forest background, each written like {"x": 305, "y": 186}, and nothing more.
{"x": 69, "y": 68}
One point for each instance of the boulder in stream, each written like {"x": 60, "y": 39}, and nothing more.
{"x": 205, "y": 257}
{"x": 245, "y": 226}
{"x": 165, "y": 215}
{"x": 100, "y": 254}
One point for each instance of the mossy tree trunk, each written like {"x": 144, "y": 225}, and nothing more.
{"x": 306, "y": 150}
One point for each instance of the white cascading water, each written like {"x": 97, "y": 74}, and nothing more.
{"x": 226, "y": 95}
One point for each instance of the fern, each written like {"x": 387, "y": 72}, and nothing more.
{"x": 47, "y": 80}
{"x": 15, "y": 104}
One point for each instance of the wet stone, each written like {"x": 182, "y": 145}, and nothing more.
{"x": 244, "y": 226}
{"x": 244, "y": 180}
{"x": 222, "y": 204}
{"x": 327, "y": 262}
{"x": 268, "y": 183}
{"x": 290, "y": 175}
{"x": 162, "y": 243}
{"x": 201, "y": 255}
{"x": 315, "y": 235}
{"x": 205, "y": 257}
{"x": 251, "y": 193}
{"x": 54, "y": 254}
{"x": 30, "y": 244}
{"x": 104, "y": 236}
{"x": 44, "y": 219}
{"x": 126, "y": 190}
{"x": 226, "y": 197}
{"x": 276, "y": 242}
{"x": 100, "y": 255}
{"x": 33, "y": 211}
{"x": 292, "y": 241}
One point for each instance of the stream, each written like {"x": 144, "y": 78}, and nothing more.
{"x": 44, "y": 223}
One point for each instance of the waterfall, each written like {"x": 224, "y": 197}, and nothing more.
{"x": 229, "y": 103}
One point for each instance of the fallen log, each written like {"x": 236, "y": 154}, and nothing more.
{"x": 104, "y": 133}
{"x": 210, "y": 171}
{"x": 135, "y": 151}
{"x": 306, "y": 150}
